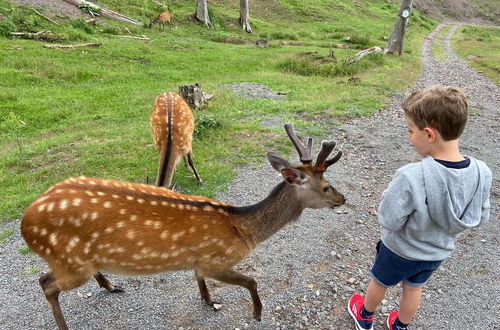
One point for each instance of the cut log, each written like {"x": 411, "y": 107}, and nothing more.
{"x": 94, "y": 44}
{"x": 106, "y": 12}
{"x": 194, "y": 96}
{"x": 41, "y": 35}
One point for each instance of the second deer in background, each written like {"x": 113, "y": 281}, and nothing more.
{"x": 172, "y": 124}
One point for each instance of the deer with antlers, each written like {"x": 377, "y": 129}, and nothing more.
{"x": 172, "y": 125}
{"x": 83, "y": 226}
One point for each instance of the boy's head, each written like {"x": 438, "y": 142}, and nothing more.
{"x": 443, "y": 108}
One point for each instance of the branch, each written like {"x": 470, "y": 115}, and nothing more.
{"x": 39, "y": 14}
{"x": 131, "y": 37}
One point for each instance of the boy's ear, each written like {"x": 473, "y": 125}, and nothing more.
{"x": 293, "y": 176}
{"x": 432, "y": 134}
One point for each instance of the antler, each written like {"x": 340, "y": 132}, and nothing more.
{"x": 304, "y": 152}
{"x": 326, "y": 148}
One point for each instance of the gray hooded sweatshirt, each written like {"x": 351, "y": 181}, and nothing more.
{"x": 427, "y": 206}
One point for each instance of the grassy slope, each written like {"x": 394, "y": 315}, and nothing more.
{"x": 86, "y": 111}
{"x": 482, "y": 42}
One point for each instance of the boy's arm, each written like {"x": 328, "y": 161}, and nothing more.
{"x": 485, "y": 210}
{"x": 396, "y": 203}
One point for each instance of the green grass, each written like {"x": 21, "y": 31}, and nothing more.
{"x": 85, "y": 111}
{"x": 484, "y": 44}
{"x": 438, "y": 51}
{"x": 5, "y": 234}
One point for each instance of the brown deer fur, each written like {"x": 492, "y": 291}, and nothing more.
{"x": 161, "y": 19}
{"x": 82, "y": 226}
{"x": 172, "y": 125}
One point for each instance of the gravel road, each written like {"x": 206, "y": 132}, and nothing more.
{"x": 308, "y": 270}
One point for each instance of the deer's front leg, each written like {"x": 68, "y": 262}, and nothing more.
{"x": 233, "y": 277}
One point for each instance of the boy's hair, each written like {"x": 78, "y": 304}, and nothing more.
{"x": 443, "y": 108}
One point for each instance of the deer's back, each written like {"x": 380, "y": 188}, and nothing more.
{"x": 182, "y": 122}
{"x": 85, "y": 225}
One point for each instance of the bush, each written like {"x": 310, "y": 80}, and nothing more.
{"x": 203, "y": 123}
{"x": 80, "y": 24}
{"x": 6, "y": 27}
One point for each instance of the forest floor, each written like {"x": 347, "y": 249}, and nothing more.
{"x": 307, "y": 271}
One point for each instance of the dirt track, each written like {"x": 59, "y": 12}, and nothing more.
{"x": 308, "y": 270}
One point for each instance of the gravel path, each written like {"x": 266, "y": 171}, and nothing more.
{"x": 307, "y": 271}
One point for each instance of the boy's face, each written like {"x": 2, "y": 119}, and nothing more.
{"x": 418, "y": 138}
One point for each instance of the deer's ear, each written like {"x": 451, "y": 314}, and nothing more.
{"x": 277, "y": 162}
{"x": 293, "y": 176}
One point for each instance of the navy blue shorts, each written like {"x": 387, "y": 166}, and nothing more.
{"x": 389, "y": 269}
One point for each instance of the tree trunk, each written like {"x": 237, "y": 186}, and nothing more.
{"x": 106, "y": 12}
{"x": 395, "y": 44}
{"x": 245, "y": 16}
{"x": 202, "y": 12}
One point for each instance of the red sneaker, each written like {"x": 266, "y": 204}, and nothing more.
{"x": 354, "y": 308}
{"x": 390, "y": 320}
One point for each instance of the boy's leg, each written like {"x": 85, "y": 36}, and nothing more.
{"x": 374, "y": 295}
{"x": 410, "y": 302}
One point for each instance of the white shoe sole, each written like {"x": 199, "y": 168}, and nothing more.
{"x": 354, "y": 318}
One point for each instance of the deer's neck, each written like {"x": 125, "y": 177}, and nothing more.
{"x": 260, "y": 221}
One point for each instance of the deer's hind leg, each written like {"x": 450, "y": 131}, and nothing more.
{"x": 105, "y": 283}
{"x": 188, "y": 159}
{"x": 52, "y": 287}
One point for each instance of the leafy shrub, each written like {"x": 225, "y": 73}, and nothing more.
{"x": 203, "y": 123}
{"x": 362, "y": 40}
{"x": 6, "y": 27}
{"x": 80, "y": 24}
{"x": 308, "y": 67}
{"x": 283, "y": 36}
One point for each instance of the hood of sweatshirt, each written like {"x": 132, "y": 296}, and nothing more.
{"x": 453, "y": 188}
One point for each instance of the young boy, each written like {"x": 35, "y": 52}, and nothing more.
{"x": 426, "y": 205}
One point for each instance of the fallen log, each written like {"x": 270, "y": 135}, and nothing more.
{"x": 105, "y": 12}
{"x": 132, "y": 37}
{"x": 94, "y": 44}
{"x": 40, "y": 35}
{"x": 363, "y": 53}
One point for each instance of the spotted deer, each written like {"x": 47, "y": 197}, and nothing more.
{"x": 83, "y": 226}
{"x": 161, "y": 19}
{"x": 172, "y": 125}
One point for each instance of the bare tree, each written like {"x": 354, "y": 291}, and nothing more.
{"x": 245, "y": 16}
{"x": 202, "y": 12}
{"x": 395, "y": 44}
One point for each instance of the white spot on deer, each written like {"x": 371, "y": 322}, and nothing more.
{"x": 86, "y": 250}
{"x": 120, "y": 224}
{"x": 115, "y": 196}
{"x": 94, "y": 200}
{"x": 192, "y": 230}
{"x": 164, "y": 203}
{"x": 153, "y": 203}
{"x": 72, "y": 243}
{"x": 53, "y": 239}
{"x": 164, "y": 234}
{"x": 205, "y": 226}
{"x": 76, "y": 202}
{"x": 85, "y": 215}
{"x": 63, "y": 204}
{"x": 89, "y": 193}
{"x": 109, "y": 230}
{"x": 108, "y": 205}
{"x": 94, "y": 215}
{"x": 75, "y": 221}
{"x": 34, "y": 229}
{"x": 140, "y": 200}
{"x": 100, "y": 193}
{"x": 133, "y": 217}
{"x": 48, "y": 251}
{"x": 130, "y": 198}
{"x": 43, "y": 232}
{"x": 50, "y": 206}
{"x": 92, "y": 182}
{"x": 42, "y": 207}
{"x": 122, "y": 211}
{"x": 131, "y": 234}
{"x": 176, "y": 236}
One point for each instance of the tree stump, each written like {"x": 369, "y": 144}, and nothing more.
{"x": 194, "y": 96}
